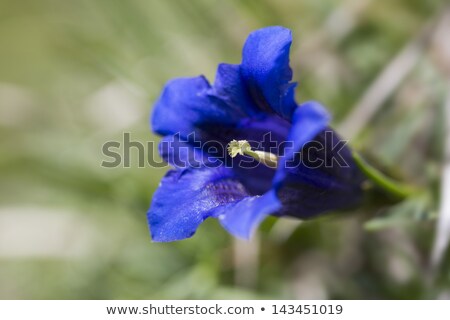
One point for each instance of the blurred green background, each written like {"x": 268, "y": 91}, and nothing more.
{"x": 76, "y": 74}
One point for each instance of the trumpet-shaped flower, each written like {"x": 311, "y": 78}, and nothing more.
{"x": 243, "y": 149}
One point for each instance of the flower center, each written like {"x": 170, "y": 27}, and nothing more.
{"x": 242, "y": 147}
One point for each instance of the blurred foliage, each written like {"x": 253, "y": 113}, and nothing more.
{"x": 76, "y": 74}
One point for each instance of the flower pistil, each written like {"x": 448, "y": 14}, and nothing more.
{"x": 242, "y": 147}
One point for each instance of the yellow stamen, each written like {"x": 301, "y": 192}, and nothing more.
{"x": 242, "y": 147}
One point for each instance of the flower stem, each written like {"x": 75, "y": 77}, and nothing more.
{"x": 395, "y": 188}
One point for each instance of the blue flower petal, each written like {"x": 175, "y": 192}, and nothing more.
{"x": 308, "y": 120}
{"x": 323, "y": 176}
{"x": 312, "y": 187}
{"x": 305, "y": 200}
{"x": 230, "y": 88}
{"x": 186, "y": 105}
{"x": 182, "y": 152}
{"x": 265, "y": 69}
{"x": 185, "y": 198}
{"x": 255, "y": 176}
{"x": 243, "y": 217}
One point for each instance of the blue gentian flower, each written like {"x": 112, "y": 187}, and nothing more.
{"x": 246, "y": 103}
